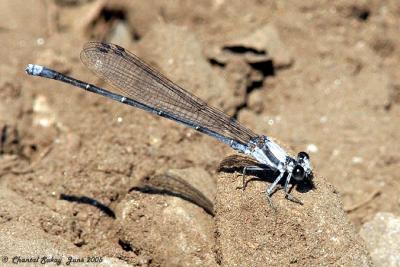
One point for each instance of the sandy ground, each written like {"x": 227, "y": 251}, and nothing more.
{"x": 78, "y": 172}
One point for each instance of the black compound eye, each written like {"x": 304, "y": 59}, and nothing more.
{"x": 303, "y": 155}
{"x": 298, "y": 173}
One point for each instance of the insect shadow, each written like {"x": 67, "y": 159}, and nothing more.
{"x": 88, "y": 201}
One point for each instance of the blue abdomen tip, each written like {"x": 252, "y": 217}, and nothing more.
{"x": 33, "y": 69}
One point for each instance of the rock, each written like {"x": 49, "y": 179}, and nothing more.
{"x": 178, "y": 54}
{"x": 314, "y": 234}
{"x": 20, "y": 242}
{"x": 382, "y": 235}
{"x": 174, "y": 231}
{"x": 43, "y": 114}
{"x": 120, "y": 35}
{"x": 198, "y": 178}
{"x": 193, "y": 184}
{"x": 260, "y": 46}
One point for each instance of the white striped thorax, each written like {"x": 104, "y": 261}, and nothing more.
{"x": 267, "y": 152}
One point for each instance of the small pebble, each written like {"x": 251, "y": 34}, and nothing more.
{"x": 357, "y": 160}
{"x": 382, "y": 235}
{"x": 311, "y": 148}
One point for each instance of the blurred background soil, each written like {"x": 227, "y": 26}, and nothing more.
{"x": 318, "y": 76}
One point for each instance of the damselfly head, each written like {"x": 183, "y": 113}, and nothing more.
{"x": 302, "y": 171}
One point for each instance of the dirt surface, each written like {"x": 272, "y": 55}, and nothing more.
{"x": 315, "y": 76}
